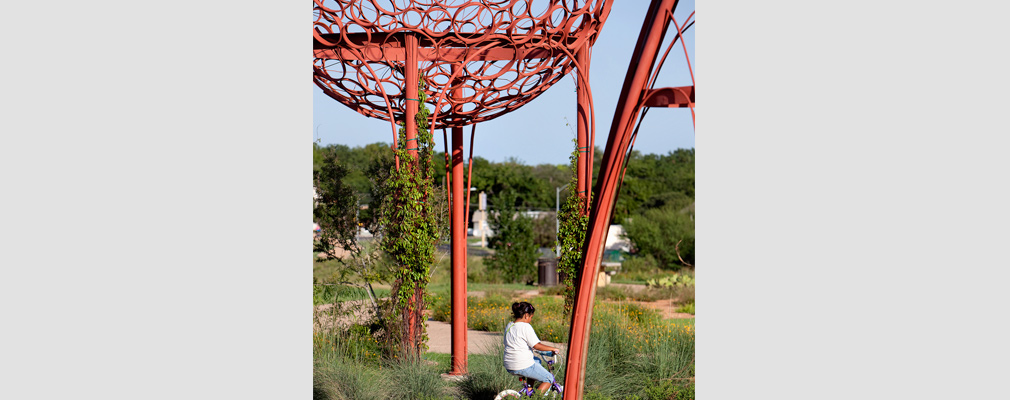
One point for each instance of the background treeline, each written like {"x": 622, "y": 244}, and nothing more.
{"x": 656, "y": 201}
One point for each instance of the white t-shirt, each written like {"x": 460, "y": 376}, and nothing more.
{"x": 519, "y": 341}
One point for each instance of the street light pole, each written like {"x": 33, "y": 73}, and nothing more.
{"x": 557, "y": 217}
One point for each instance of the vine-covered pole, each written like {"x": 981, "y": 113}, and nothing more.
{"x": 458, "y": 245}
{"x": 411, "y": 104}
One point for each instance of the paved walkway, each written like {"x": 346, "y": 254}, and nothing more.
{"x": 477, "y": 342}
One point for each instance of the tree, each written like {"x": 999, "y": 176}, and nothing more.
{"x": 544, "y": 234}
{"x": 336, "y": 213}
{"x": 515, "y": 253}
{"x": 666, "y": 233}
{"x": 652, "y": 181}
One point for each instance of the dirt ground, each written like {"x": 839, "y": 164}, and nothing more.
{"x": 666, "y": 308}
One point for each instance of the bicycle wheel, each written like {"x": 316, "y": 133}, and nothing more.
{"x": 507, "y": 394}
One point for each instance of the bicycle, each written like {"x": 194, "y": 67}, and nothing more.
{"x": 528, "y": 389}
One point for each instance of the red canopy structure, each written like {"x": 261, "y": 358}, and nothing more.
{"x": 480, "y": 60}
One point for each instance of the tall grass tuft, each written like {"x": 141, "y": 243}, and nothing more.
{"x": 336, "y": 375}
{"x": 416, "y": 379}
{"x": 608, "y": 362}
{"x": 347, "y": 381}
{"x": 630, "y": 353}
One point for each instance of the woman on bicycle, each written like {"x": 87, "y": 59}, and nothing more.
{"x": 520, "y": 341}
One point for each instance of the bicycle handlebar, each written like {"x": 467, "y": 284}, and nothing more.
{"x": 553, "y": 356}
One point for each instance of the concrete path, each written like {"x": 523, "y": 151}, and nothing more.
{"x": 477, "y": 342}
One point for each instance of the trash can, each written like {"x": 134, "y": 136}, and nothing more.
{"x": 547, "y": 271}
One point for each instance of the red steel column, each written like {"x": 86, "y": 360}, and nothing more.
{"x": 628, "y": 105}
{"x": 582, "y": 123}
{"x": 457, "y": 229}
{"x": 410, "y": 92}
{"x": 410, "y": 106}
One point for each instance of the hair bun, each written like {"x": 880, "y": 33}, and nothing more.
{"x": 519, "y": 309}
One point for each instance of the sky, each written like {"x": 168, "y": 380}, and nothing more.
{"x": 537, "y": 132}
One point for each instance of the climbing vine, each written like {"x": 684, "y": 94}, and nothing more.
{"x": 411, "y": 231}
{"x": 573, "y": 222}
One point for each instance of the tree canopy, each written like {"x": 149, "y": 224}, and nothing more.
{"x": 654, "y": 186}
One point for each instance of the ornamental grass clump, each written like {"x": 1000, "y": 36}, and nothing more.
{"x": 345, "y": 368}
{"x": 415, "y": 379}
{"x": 632, "y": 349}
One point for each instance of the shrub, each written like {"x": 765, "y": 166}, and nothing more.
{"x": 557, "y": 290}
{"x": 679, "y": 294}
{"x": 653, "y": 294}
{"x": 685, "y": 294}
{"x": 612, "y": 293}
{"x": 640, "y": 268}
{"x": 666, "y": 390}
{"x": 672, "y": 281}
{"x": 639, "y": 263}
{"x": 481, "y": 273}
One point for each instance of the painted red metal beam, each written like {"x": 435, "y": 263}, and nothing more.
{"x": 458, "y": 256}
{"x": 410, "y": 89}
{"x": 378, "y": 47}
{"x": 442, "y": 54}
{"x": 582, "y": 123}
{"x": 447, "y": 39}
{"x": 410, "y": 128}
{"x": 628, "y": 105}
{"x": 673, "y": 97}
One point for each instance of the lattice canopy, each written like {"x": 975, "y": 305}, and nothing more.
{"x": 479, "y": 59}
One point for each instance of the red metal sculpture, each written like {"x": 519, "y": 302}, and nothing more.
{"x": 480, "y": 60}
